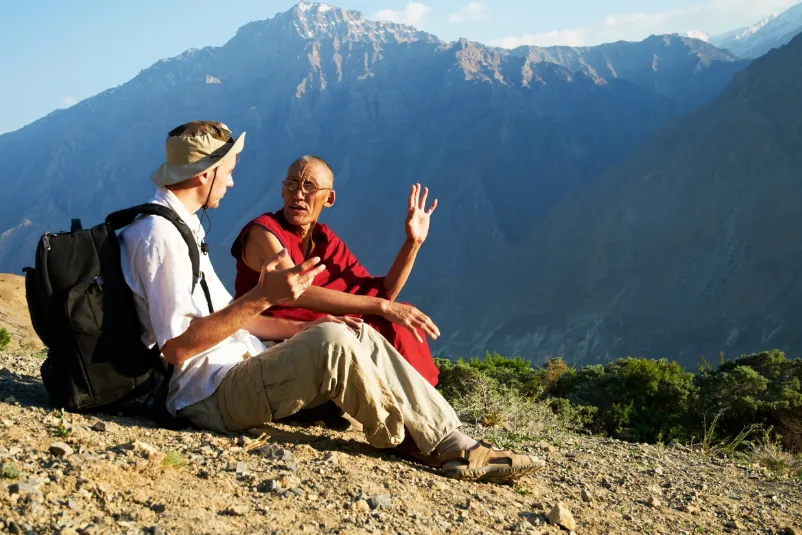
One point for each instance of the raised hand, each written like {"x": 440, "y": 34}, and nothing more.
{"x": 279, "y": 286}
{"x": 417, "y": 224}
{"x": 411, "y": 319}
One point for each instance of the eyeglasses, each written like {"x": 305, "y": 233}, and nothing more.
{"x": 307, "y": 187}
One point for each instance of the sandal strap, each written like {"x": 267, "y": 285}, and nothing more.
{"x": 479, "y": 456}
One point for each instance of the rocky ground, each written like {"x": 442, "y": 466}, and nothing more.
{"x": 111, "y": 473}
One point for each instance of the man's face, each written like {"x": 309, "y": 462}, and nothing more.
{"x": 223, "y": 181}
{"x": 306, "y": 191}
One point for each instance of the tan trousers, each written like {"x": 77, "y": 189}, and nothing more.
{"x": 361, "y": 372}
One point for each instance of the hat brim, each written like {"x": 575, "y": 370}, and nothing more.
{"x": 168, "y": 174}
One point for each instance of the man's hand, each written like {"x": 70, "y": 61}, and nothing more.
{"x": 411, "y": 319}
{"x": 279, "y": 286}
{"x": 348, "y": 321}
{"x": 417, "y": 224}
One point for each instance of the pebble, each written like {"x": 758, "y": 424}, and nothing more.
{"x": 545, "y": 446}
{"x": 586, "y": 496}
{"x": 100, "y": 426}
{"x": 237, "y": 510}
{"x": 361, "y": 505}
{"x": 60, "y": 449}
{"x": 436, "y": 485}
{"x": 140, "y": 447}
{"x": 380, "y": 501}
{"x": 658, "y": 470}
{"x": 653, "y": 501}
{"x": 690, "y": 509}
{"x": 242, "y": 468}
{"x": 561, "y": 516}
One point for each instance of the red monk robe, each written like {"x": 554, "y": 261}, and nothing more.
{"x": 343, "y": 273}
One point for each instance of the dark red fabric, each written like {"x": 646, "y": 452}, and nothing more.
{"x": 343, "y": 273}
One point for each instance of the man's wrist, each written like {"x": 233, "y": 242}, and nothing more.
{"x": 258, "y": 300}
{"x": 415, "y": 242}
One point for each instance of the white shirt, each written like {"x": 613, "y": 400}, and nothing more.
{"x": 156, "y": 266}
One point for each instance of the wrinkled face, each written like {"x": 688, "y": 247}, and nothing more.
{"x": 306, "y": 191}
{"x": 223, "y": 181}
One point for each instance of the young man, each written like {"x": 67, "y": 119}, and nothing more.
{"x": 226, "y": 379}
{"x": 345, "y": 287}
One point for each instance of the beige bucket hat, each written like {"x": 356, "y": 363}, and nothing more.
{"x": 195, "y": 148}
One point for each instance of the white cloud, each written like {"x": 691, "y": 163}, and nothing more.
{"x": 714, "y": 16}
{"x": 575, "y": 37}
{"x": 413, "y": 14}
{"x": 473, "y": 12}
{"x": 69, "y": 101}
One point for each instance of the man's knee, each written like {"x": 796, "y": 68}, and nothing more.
{"x": 334, "y": 335}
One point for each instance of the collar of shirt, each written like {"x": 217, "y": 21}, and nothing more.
{"x": 167, "y": 198}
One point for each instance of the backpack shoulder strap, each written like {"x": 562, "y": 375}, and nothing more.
{"x": 125, "y": 217}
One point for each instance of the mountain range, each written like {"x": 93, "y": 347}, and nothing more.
{"x": 688, "y": 247}
{"x": 754, "y": 41}
{"x": 519, "y": 146}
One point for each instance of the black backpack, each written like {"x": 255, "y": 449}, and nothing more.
{"x": 84, "y": 312}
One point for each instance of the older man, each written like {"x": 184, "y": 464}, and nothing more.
{"x": 345, "y": 288}
{"x": 228, "y": 380}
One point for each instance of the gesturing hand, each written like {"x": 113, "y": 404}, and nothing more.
{"x": 279, "y": 286}
{"x": 411, "y": 319}
{"x": 417, "y": 224}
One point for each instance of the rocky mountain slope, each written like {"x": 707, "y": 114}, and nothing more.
{"x": 107, "y": 473}
{"x": 14, "y": 316}
{"x": 499, "y": 137}
{"x": 686, "y": 248}
{"x": 756, "y": 40}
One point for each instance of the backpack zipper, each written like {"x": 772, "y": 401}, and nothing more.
{"x": 46, "y": 240}
{"x": 99, "y": 281}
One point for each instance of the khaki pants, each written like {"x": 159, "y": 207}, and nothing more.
{"x": 361, "y": 372}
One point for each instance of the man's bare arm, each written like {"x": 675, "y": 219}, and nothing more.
{"x": 417, "y": 228}
{"x": 275, "y": 287}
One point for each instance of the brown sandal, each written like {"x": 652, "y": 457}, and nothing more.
{"x": 486, "y": 464}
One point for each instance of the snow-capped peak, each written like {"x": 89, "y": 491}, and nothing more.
{"x": 698, "y": 34}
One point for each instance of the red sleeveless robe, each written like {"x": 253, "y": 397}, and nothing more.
{"x": 343, "y": 273}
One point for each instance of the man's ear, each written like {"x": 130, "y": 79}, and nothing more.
{"x": 203, "y": 178}
{"x": 330, "y": 199}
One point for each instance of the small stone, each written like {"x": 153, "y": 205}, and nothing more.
{"x": 289, "y": 482}
{"x": 140, "y": 447}
{"x": 60, "y": 449}
{"x": 269, "y": 485}
{"x": 236, "y": 510}
{"x": 380, "y": 501}
{"x": 298, "y": 491}
{"x": 654, "y": 489}
{"x": 68, "y": 531}
{"x": 100, "y": 426}
{"x": 734, "y": 524}
{"x": 653, "y": 501}
{"x": 291, "y": 465}
{"x": 545, "y": 446}
{"x": 242, "y": 468}
{"x": 690, "y": 509}
{"x": 628, "y": 517}
{"x": 658, "y": 470}
{"x": 587, "y": 497}
{"x": 561, "y": 516}
{"x": 361, "y": 505}
{"x": 332, "y": 458}
{"x": 437, "y": 485}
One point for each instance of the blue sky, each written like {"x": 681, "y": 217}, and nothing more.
{"x": 58, "y": 52}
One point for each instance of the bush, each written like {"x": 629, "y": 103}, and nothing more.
{"x": 5, "y": 338}
{"x": 764, "y": 388}
{"x": 635, "y": 399}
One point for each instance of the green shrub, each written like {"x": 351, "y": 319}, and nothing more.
{"x": 639, "y": 399}
{"x": 5, "y": 338}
